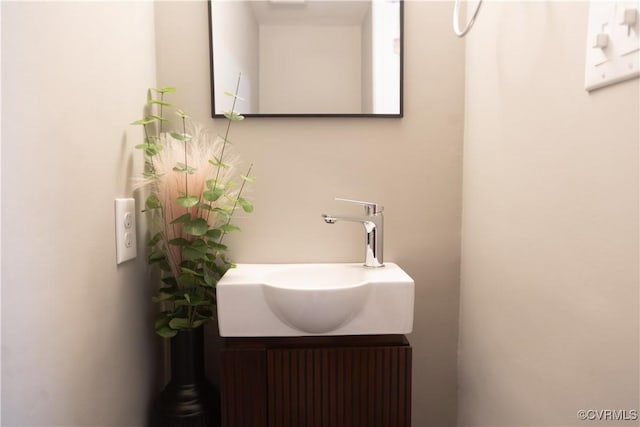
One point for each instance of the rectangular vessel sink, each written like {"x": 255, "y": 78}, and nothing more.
{"x": 314, "y": 299}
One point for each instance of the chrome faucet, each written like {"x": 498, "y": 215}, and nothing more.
{"x": 373, "y": 222}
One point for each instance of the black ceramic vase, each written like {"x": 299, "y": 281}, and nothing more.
{"x": 189, "y": 400}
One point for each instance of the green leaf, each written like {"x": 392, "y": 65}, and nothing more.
{"x": 212, "y": 184}
{"x": 211, "y": 277}
{"x": 150, "y": 149}
{"x": 181, "y": 167}
{"x": 187, "y": 201}
{"x": 152, "y": 202}
{"x": 164, "y": 89}
{"x": 186, "y": 280}
{"x": 183, "y": 303}
{"x": 197, "y": 227}
{"x": 158, "y": 102}
{"x": 182, "y": 219}
{"x": 179, "y": 241}
{"x": 247, "y": 206}
{"x": 162, "y": 119}
{"x": 194, "y": 301}
{"x": 233, "y": 95}
{"x": 166, "y": 332}
{"x": 234, "y": 116}
{"x": 190, "y": 271}
{"x": 226, "y": 213}
{"x": 229, "y": 228}
{"x": 214, "y": 233}
{"x": 219, "y": 163}
{"x": 162, "y": 296}
{"x": 216, "y": 245}
{"x": 155, "y": 257}
{"x": 196, "y": 250}
{"x": 155, "y": 239}
{"x": 202, "y": 321}
{"x": 162, "y": 319}
{"x": 181, "y": 136}
{"x": 143, "y": 122}
{"x": 179, "y": 323}
{"x": 153, "y": 149}
{"x": 200, "y": 301}
{"x": 212, "y": 195}
{"x": 248, "y": 178}
{"x": 206, "y": 311}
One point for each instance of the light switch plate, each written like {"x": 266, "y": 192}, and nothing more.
{"x": 619, "y": 58}
{"x": 126, "y": 247}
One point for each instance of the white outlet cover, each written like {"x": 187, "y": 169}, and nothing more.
{"x": 126, "y": 247}
{"x": 619, "y": 60}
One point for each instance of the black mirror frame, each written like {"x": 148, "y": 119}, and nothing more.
{"x": 400, "y": 114}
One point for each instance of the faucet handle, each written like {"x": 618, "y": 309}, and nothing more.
{"x": 371, "y": 208}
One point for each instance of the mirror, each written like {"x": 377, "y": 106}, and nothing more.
{"x": 333, "y": 58}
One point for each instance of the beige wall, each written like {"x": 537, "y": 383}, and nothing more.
{"x": 411, "y": 165}
{"x": 549, "y": 294}
{"x": 77, "y": 344}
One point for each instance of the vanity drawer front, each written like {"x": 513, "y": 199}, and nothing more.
{"x": 339, "y": 387}
{"x": 354, "y": 381}
{"x": 243, "y": 388}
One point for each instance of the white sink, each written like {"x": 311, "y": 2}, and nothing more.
{"x": 314, "y": 299}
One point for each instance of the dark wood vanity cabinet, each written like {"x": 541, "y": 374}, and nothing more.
{"x": 356, "y": 381}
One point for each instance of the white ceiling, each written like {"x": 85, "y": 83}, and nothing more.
{"x": 310, "y": 12}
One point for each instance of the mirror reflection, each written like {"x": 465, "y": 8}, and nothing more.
{"x": 308, "y": 57}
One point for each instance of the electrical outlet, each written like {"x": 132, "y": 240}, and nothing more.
{"x": 126, "y": 247}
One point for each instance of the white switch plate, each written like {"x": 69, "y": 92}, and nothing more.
{"x": 126, "y": 247}
{"x": 619, "y": 60}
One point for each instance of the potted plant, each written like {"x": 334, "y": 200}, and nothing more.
{"x": 194, "y": 189}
